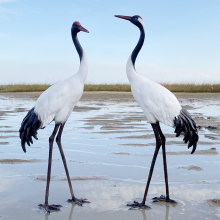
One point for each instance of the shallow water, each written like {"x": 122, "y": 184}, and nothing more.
{"x": 109, "y": 147}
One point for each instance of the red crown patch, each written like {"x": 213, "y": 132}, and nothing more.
{"x": 76, "y": 22}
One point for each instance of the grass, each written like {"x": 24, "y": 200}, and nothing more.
{"x": 108, "y": 87}
{"x": 189, "y": 87}
{"x": 24, "y": 87}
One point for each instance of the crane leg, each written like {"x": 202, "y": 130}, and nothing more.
{"x": 74, "y": 199}
{"x": 45, "y": 205}
{"x": 163, "y": 198}
{"x": 158, "y": 145}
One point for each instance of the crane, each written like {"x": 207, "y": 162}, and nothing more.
{"x": 56, "y": 104}
{"x": 158, "y": 105}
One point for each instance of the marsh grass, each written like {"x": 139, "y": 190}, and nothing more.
{"x": 108, "y": 87}
{"x": 189, "y": 87}
{"x": 24, "y": 87}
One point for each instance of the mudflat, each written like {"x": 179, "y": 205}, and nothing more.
{"x": 109, "y": 147}
{"x": 106, "y": 94}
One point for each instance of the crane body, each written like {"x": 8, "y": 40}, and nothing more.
{"x": 156, "y": 107}
{"x": 159, "y": 106}
{"x": 56, "y": 104}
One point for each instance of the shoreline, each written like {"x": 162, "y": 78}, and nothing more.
{"x": 112, "y": 94}
{"x": 109, "y": 147}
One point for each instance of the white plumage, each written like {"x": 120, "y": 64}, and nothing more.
{"x": 58, "y": 101}
{"x": 56, "y": 104}
{"x": 157, "y": 102}
{"x": 158, "y": 105}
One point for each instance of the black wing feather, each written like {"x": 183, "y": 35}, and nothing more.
{"x": 29, "y": 127}
{"x": 185, "y": 124}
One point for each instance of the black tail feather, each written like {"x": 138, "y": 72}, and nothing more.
{"x": 29, "y": 127}
{"x": 188, "y": 117}
{"x": 186, "y": 125}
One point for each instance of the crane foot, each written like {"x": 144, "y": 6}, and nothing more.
{"x": 136, "y": 205}
{"x": 163, "y": 198}
{"x": 78, "y": 201}
{"x": 49, "y": 208}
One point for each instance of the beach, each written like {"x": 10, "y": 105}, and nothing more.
{"x": 109, "y": 146}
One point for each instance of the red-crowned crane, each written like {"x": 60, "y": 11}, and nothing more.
{"x": 158, "y": 105}
{"x": 56, "y": 104}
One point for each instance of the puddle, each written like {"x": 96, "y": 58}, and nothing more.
{"x": 14, "y": 161}
{"x": 211, "y": 151}
{"x": 213, "y": 202}
{"x": 109, "y": 147}
{"x": 75, "y": 178}
{"x": 192, "y": 167}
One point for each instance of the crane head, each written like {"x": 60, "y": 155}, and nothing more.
{"x": 76, "y": 27}
{"x": 136, "y": 19}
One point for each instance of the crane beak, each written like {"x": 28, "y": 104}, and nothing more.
{"x": 83, "y": 29}
{"x": 123, "y": 17}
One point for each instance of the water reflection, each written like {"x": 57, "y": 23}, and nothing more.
{"x": 167, "y": 212}
{"x": 47, "y": 217}
{"x": 143, "y": 211}
{"x": 71, "y": 211}
{"x": 123, "y": 161}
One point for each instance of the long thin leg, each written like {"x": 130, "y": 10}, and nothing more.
{"x": 51, "y": 140}
{"x": 158, "y": 144}
{"x": 58, "y": 140}
{"x": 163, "y": 139}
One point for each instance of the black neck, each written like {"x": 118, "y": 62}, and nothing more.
{"x": 77, "y": 45}
{"x": 138, "y": 46}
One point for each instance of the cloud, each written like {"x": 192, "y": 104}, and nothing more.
{"x": 5, "y": 13}
{"x": 6, "y": 1}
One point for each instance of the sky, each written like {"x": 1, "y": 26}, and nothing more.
{"x": 182, "y": 42}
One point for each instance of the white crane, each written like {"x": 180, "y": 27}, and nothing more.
{"x": 158, "y": 105}
{"x": 56, "y": 104}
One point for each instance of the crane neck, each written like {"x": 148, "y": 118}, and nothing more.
{"x": 138, "y": 46}
{"x": 83, "y": 69}
{"x": 77, "y": 45}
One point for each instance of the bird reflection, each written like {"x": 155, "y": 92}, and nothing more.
{"x": 167, "y": 212}
{"x": 143, "y": 211}
{"x": 71, "y": 211}
{"x": 166, "y": 215}
{"x": 47, "y": 217}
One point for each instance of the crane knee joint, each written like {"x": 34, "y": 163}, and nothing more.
{"x": 58, "y": 139}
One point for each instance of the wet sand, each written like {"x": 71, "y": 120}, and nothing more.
{"x": 192, "y": 167}
{"x": 109, "y": 147}
{"x": 13, "y": 161}
{"x": 120, "y": 95}
{"x": 211, "y": 151}
{"x": 213, "y": 202}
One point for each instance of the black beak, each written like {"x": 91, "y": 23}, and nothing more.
{"x": 123, "y": 17}
{"x": 83, "y": 29}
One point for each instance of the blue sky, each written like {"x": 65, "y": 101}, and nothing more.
{"x": 182, "y": 41}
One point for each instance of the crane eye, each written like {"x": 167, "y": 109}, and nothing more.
{"x": 136, "y": 17}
